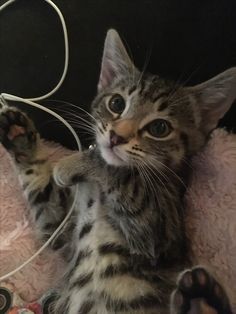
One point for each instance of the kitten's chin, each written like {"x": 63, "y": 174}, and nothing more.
{"x": 111, "y": 157}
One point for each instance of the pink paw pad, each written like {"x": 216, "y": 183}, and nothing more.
{"x": 15, "y": 130}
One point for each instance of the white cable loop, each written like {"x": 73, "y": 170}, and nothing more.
{"x": 32, "y": 102}
{"x": 66, "y": 47}
{"x": 66, "y": 62}
{"x": 6, "y": 4}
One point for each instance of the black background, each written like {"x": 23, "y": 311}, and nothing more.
{"x": 189, "y": 41}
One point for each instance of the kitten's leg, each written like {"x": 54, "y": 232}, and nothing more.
{"x": 49, "y": 203}
{"x": 195, "y": 285}
{"x": 74, "y": 169}
{"x": 80, "y": 167}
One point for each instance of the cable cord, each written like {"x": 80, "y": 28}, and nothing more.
{"x": 66, "y": 47}
{"x": 32, "y": 102}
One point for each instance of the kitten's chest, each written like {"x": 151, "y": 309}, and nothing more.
{"x": 93, "y": 207}
{"x": 92, "y": 236}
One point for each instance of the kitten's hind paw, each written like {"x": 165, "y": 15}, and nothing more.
{"x": 197, "y": 283}
{"x": 17, "y": 133}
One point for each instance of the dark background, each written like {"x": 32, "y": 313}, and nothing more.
{"x": 189, "y": 41}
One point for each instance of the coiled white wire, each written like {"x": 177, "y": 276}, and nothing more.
{"x": 32, "y": 102}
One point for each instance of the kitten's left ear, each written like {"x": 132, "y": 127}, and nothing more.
{"x": 115, "y": 62}
{"x": 214, "y": 98}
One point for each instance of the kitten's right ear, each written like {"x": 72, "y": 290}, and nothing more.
{"x": 115, "y": 61}
{"x": 215, "y": 97}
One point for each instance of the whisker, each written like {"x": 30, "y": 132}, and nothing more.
{"x": 192, "y": 74}
{"x": 154, "y": 172}
{"x": 147, "y": 60}
{"x": 74, "y": 106}
{"x": 178, "y": 84}
{"x": 152, "y": 186}
{"x": 132, "y": 59}
{"x": 154, "y": 159}
{"x": 81, "y": 124}
{"x": 146, "y": 180}
{"x": 151, "y": 171}
{"x": 75, "y": 116}
{"x": 138, "y": 167}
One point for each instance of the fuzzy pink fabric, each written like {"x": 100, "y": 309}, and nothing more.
{"x": 210, "y": 222}
{"x": 211, "y": 209}
{"x": 17, "y": 239}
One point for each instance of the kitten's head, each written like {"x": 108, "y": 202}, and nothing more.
{"x": 145, "y": 120}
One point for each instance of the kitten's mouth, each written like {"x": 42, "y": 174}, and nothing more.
{"x": 111, "y": 156}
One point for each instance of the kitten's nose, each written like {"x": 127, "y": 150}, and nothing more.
{"x": 115, "y": 139}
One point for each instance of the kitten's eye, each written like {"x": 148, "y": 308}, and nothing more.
{"x": 117, "y": 104}
{"x": 159, "y": 128}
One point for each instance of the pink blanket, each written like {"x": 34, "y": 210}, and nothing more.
{"x": 211, "y": 219}
{"x": 211, "y": 209}
{"x": 17, "y": 239}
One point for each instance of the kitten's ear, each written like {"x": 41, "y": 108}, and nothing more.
{"x": 215, "y": 97}
{"x": 115, "y": 61}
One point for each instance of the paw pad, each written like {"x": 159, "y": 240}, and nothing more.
{"x": 17, "y": 133}
{"x": 187, "y": 280}
{"x": 197, "y": 283}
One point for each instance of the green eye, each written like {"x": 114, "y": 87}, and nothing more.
{"x": 159, "y": 128}
{"x": 117, "y": 104}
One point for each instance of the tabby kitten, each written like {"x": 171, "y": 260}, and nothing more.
{"x": 125, "y": 243}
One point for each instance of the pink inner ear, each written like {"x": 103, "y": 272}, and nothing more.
{"x": 103, "y": 81}
{"x": 106, "y": 76}
{"x": 211, "y": 114}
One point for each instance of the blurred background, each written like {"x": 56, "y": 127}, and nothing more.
{"x": 183, "y": 40}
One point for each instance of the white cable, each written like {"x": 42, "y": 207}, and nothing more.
{"x": 66, "y": 62}
{"x": 31, "y": 102}
{"x": 66, "y": 47}
{"x": 6, "y": 4}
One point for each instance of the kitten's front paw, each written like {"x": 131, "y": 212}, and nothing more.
{"x": 17, "y": 133}
{"x": 70, "y": 170}
{"x": 197, "y": 283}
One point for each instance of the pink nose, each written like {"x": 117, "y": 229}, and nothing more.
{"x": 116, "y": 139}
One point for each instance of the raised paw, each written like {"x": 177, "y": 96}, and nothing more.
{"x": 199, "y": 284}
{"x": 17, "y": 133}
